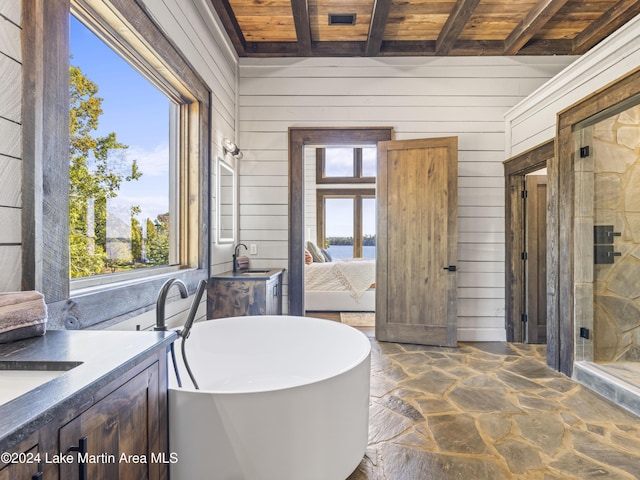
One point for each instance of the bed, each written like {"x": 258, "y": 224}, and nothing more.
{"x": 346, "y": 285}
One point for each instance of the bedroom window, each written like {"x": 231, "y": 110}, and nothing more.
{"x": 346, "y": 164}
{"x": 347, "y": 222}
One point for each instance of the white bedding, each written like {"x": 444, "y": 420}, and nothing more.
{"x": 352, "y": 275}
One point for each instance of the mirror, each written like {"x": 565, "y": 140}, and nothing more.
{"x": 226, "y": 202}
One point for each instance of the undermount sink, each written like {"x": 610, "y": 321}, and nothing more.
{"x": 255, "y": 272}
{"x": 17, "y": 377}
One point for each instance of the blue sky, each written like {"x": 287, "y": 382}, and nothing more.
{"x": 136, "y": 111}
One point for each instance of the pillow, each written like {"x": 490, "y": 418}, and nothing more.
{"x": 315, "y": 251}
{"x": 308, "y": 259}
{"x": 326, "y": 255}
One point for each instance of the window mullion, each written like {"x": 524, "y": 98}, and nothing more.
{"x": 357, "y": 226}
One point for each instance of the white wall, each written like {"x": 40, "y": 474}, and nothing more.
{"x": 10, "y": 145}
{"x": 419, "y": 97}
{"x": 533, "y": 121}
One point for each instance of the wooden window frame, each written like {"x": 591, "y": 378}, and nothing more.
{"x": 357, "y": 177}
{"x": 357, "y": 195}
{"x": 46, "y": 164}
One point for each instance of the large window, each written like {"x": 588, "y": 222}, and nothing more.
{"x": 120, "y": 144}
{"x": 347, "y": 222}
{"x": 346, "y": 216}
{"x": 104, "y": 213}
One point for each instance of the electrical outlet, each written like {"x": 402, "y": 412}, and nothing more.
{"x": 253, "y": 249}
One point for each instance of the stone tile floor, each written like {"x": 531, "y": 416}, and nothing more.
{"x": 489, "y": 411}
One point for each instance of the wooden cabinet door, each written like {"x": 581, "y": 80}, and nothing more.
{"x": 26, "y": 467}
{"x": 117, "y": 434}
{"x": 417, "y": 241}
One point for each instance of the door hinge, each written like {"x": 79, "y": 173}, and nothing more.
{"x": 584, "y": 151}
{"x": 524, "y": 255}
{"x": 524, "y": 194}
{"x": 524, "y": 318}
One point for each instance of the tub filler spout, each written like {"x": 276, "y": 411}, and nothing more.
{"x": 161, "y": 321}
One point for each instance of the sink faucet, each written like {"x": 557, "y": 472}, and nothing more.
{"x": 162, "y": 299}
{"x": 235, "y": 256}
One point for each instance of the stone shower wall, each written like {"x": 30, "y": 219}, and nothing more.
{"x": 616, "y": 157}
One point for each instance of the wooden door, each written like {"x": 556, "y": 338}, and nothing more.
{"x": 536, "y": 248}
{"x": 117, "y": 437}
{"x": 417, "y": 241}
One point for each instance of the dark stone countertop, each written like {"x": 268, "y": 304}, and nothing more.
{"x": 105, "y": 355}
{"x": 242, "y": 274}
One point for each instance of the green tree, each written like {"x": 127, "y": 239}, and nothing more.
{"x": 158, "y": 240}
{"x": 136, "y": 236}
{"x": 97, "y": 167}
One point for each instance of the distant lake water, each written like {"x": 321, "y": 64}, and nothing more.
{"x": 346, "y": 251}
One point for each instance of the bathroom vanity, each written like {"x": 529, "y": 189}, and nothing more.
{"x": 105, "y": 403}
{"x": 245, "y": 292}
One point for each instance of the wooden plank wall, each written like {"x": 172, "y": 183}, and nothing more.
{"x": 10, "y": 145}
{"x": 419, "y": 97}
{"x": 533, "y": 121}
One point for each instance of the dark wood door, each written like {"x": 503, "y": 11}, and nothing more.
{"x": 26, "y": 466}
{"x": 536, "y": 263}
{"x": 417, "y": 241}
{"x": 125, "y": 422}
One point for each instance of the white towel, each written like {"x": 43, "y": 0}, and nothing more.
{"x": 242, "y": 263}
{"x": 22, "y": 315}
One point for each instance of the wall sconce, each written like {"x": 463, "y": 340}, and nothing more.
{"x": 229, "y": 147}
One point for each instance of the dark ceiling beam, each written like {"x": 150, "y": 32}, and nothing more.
{"x": 531, "y": 24}
{"x": 230, "y": 24}
{"x": 303, "y": 26}
{"x": 318, "y": 49}
{"x": 418, "y": 48}
{"x": 377, "y": 26}
{"x": 610, "y": 21}
{"x": 458, "y": 18}
{"x": 472, "y": 48}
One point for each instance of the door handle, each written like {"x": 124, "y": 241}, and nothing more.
{"x": 83, "y": 449}
{"x": 451, "y": 268}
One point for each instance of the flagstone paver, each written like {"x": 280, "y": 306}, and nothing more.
{"x": 490, "y": 411}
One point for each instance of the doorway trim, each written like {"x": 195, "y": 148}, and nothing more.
{"x": 299, "y": 137}
{"x": 515, "y": 170}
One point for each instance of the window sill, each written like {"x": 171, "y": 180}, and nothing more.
{"x": 97, "y": 283}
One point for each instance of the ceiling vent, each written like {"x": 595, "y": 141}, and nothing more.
{"x": 342, "y": 19}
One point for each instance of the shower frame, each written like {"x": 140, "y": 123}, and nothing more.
{"x": 568, "y": 300}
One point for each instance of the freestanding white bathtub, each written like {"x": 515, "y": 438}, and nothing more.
{"x": 280, "y": 398}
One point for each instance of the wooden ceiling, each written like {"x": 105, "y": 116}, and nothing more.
{"x": 284, "y": 28}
